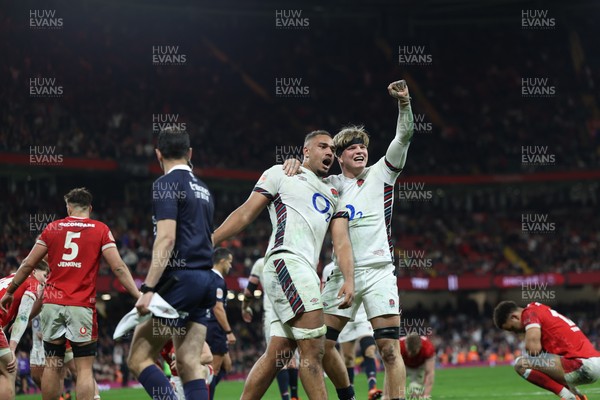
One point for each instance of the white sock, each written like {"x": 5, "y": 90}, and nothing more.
{"x": 567, "y": 394}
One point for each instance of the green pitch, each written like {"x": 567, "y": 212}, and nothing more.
{"x": 460, "y": 383}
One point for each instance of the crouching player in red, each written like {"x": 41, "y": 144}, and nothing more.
{"x": 559, "y": 356}
{"x": 418, "y": 354}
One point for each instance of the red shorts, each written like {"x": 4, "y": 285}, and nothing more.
{"x": 570, "y": 364}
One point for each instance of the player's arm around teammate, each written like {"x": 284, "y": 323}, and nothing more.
{"x": 302, "y": 208}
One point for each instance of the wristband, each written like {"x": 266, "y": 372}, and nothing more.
{"x": 145, "y": 288}
{"x": 251, "y": 287}
{"x": 228, "y": 332}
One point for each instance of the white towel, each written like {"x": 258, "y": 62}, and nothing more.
{"x": 158, "y": 307}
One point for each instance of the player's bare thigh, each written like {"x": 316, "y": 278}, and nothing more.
{"x": 7, "y": 379}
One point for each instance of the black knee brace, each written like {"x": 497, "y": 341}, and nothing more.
{"x": 365, "y": 342}
{"x": 84, "y": 351}
{"x": 54, "y": 350}
{"x": 393, "y": 332}
{"x": 332, "y": 334}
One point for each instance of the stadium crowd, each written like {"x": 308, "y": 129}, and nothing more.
{"x": 475, "y": 117}
{"x": 458, "y": 239}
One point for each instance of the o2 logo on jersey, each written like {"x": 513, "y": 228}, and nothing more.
{"x": 352, "y": 213}
{"x": 322, "y": 205}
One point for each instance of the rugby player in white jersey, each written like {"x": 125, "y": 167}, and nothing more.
{"x": 368, "y": 194}
{"x": 301, "y": 208}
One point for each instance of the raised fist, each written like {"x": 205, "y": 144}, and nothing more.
{"x": 399, "y": 90}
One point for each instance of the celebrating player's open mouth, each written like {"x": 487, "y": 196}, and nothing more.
{"x": 360, "y": 159}
{"x": 327, "y": 161}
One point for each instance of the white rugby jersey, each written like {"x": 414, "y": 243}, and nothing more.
{"x": 369, "y": 199}
{"x": 300, "y": 210}
{"x": 257, "y": 270}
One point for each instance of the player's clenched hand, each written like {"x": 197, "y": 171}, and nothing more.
{"x": 12, "y": 365}
{"x": 291, "y": 166}
{"x": 143, "y": 302}
{"x": 399, "y": 90}
{"x": 231, "y": 339}
{"x": 346, "y": 293}
{"x": 6, "y": 302}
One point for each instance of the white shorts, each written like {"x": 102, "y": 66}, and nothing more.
{"x": 355, "y": 330}
{"x": 292, "y": 285}
{"x": 37, "y": 356}
{"x": 374, "y": 286}
{"x": 76, "y": 323}
{"x": 589, "y": 372}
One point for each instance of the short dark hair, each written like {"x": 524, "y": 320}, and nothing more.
{"x": 219, "y": 254}
{"x": 312, "y": 134}
{"x": 79, "y": 197}
{"x": 43, "y": 266}
{"x": 503, "y": 311}
{"x": 173, "y": 143}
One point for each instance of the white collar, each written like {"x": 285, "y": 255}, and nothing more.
{"x": 218, "y": 273}
{"x": 180, "y": 166}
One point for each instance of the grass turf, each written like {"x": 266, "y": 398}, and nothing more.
{"x": 454, "y": 383}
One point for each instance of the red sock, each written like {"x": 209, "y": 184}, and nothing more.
{"x": 542, "y": 380}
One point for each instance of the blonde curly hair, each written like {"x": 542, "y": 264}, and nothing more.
{"x": 348, "y": 136}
